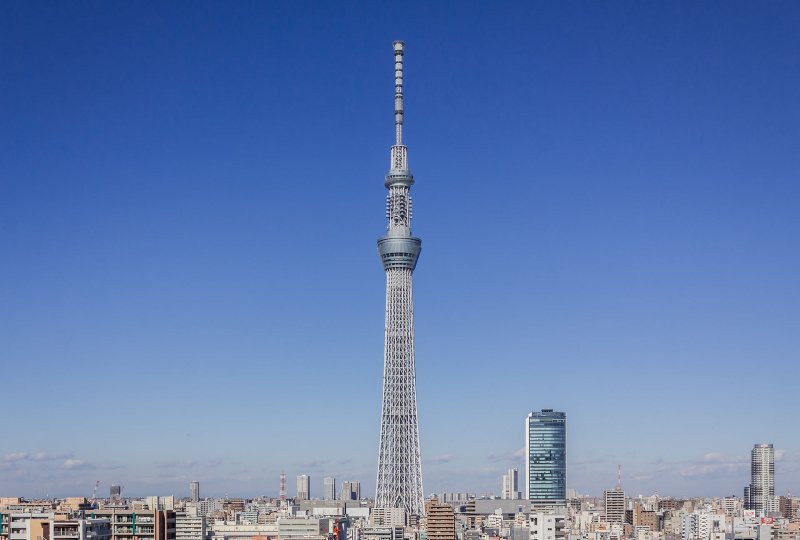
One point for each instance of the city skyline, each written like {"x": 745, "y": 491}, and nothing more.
{"x": 633, "y": 169}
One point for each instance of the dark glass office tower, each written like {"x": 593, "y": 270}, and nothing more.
{"x": 546, "y": 456}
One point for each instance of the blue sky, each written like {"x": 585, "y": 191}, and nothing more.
{"x": 607, "y": 195}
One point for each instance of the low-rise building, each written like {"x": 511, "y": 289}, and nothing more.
{"x": 221, "y": 530}
{"x": 141, "y": 524}
{"x": 303, "y": 527}
{"x": 382, "y": 533}
{"x": 80, "y": 529}
{"x": 190, "y": 526}
{"x": 547, "y": 525}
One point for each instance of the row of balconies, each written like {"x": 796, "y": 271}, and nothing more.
{"x": 130, "y": 530}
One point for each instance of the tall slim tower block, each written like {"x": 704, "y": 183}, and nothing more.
{"x": 303, "y": 487}
{"x": 546, "y": 457}
{"x": 194, "y": 490}
{"x": 762, "y": 479}
{"x": 399, "y": 483}
{"x": 329, "y": 491}
{"x": 510, "y": 484}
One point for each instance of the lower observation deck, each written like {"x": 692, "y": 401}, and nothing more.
{"x": 399, "y": 251}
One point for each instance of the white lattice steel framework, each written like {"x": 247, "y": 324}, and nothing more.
{"x": 399, "y": 483}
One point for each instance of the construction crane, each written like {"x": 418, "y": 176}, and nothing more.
{"x": 94, "y": 491}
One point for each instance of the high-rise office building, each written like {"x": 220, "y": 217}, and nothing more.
{"x": 511, "y": 484}
{"x": 329, "y": 492}
{"x": 399, "y": 482}
{"x": 194, "y": 490}
{"x": 115, "y": 492}
{"x": 351, "y": 491}
{"x": 614, "y": 501}
{"x": 762, "y": 479}
{"x": 303, "y": 487}
{"x": 546, "y": 456}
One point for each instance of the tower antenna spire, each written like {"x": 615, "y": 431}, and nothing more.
{"x": 398, "y": 91}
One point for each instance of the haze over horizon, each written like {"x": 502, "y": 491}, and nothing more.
{"x": 191, "y": 193}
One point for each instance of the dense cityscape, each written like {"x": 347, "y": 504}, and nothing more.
{"x": 534, "y": 500}
{"x": 543, "y": 509}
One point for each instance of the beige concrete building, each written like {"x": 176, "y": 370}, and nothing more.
{"x": 639, "y": 517}
{"x": 51, "y": 526}
{"x": 388, "y": 517}
{"x": 440, "y": 521}
{"x": 26, "y": 525}
{"x": 614, "y": 503}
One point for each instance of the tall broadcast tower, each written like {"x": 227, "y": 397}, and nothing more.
{"x": 399, "y": 482}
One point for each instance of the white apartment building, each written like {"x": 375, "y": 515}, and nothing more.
{"x": 302, "y": 527}
{"x": 380, "y": 533}
{"x": 546, "y": 525}
{"x": 190, "y": 526}
{"x": 80, "y": 529}
{"x": 160, "y": 503}
{"x": 731, "y": 505}
{"x": 495, "y": 521}
{"x": 248, "y": 516}
{"x": 703, "y": 526}
{"x": 388, "y": 517}
{"x": 224, "y": 531}
{"x": 208, "y": 506}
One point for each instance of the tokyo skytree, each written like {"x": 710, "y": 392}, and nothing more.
{"x": 399, "y": 482}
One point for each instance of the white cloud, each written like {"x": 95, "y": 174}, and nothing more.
{"x": 46, "y": 456}
{"x": 71, "y": 464}
{"x": 713, "y": 464}
{"x": 444, "y": 458}
{"x": 516, "y": 455}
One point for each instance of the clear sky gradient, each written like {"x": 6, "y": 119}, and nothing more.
{"x": 190, "y": 195}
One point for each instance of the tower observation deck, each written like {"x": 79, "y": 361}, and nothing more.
{"x": 399, "y": 482}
